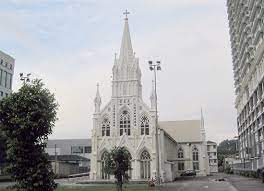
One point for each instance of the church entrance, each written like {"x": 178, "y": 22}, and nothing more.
{"x": 104, "y": 175}
{"x": 145, "y": 165}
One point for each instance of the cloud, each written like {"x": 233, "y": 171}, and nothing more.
{"x": 71, "y": 45}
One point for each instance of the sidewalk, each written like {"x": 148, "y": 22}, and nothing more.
{"x": 242, "y": 183}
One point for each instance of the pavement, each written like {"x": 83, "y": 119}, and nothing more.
{"x": 209, "y": 183}
{"x": 231, "y": 183}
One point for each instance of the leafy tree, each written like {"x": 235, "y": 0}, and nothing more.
{"x": 117, "y": 164}
{"x": 225, "y": 149}
{"x": 26, "y": 119}
{"x": 2, "y": 151}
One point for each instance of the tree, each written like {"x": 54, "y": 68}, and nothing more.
{"x": 117, "y": 164}
{"x": 2, "y": 152}
{"x": 225, "y": 149}
{"x": 26, "y": 119}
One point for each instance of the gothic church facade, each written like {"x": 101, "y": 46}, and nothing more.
{"x": 126, "y": 120}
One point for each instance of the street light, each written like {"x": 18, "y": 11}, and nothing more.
{"x": 25, "y": 78}
{"x": 156, "y": 67}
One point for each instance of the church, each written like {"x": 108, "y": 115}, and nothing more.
{"x": 126, "y": 120}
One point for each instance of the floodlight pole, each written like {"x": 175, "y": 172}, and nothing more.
{"x": 155, "y": 67}
{"x": 25, "y": 78}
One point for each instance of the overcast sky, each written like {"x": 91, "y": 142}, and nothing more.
{"x": 70, "y": 44}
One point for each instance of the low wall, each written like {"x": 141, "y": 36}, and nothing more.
{"x": 252, "y": 165}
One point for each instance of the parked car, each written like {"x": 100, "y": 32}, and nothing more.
{"x": 189, "y": 173}
{"x": 260, "y": 173}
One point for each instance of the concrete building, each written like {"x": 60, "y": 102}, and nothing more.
{"x": 126, "y": 120}
{"x": 246, "y": 22}
{"x": 72, "y": 151}
{"x": 7, "y": 64}
{"x": 212, "y": 155}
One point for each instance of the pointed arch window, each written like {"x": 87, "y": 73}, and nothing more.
{"x": 106, "y": 127}
{"x": 195, "y": 155}
{"x": 104, "y": 175}
{"x": 125, "y": 126}
{"x": 145, "y": 165}
{"x": 180, "y": 153}
{"x": 144, "y": 124}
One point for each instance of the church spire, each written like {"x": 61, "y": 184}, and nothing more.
{"x": 153, "y": 97}
{"x": 97, "y": 100}
{"x": 202, "y": 126}
{"x": 126, "y": 45}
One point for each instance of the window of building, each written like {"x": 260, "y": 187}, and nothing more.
{"x": 8, "y": 80}
{"x": 144, "y": 123}
{"x": 145, "y": 165}
{"x": 106, "y": 127}
{"x": 180, "y": 153}
{"x": 125, "y": 123}
{"x": 214, "y": 146}
{"x": 3, "y": 82}
{"x": 77, "y": 149}
{"x": 87, "y": 149}
{"x": 195, "y": 154}
{"x": 180, "y": 165}
{"x": 1, "y": 73}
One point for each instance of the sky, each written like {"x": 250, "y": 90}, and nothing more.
{"x": 70, "y": 44}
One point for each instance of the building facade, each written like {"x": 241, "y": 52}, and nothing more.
{"x": 126, "y": 120}
{"x": 71, "y": 147}
{"x": 212, "y": 155}
{"x": 7, "y": 64}
{"x": 191, "y": 152}
{"x": 246, "y": 25}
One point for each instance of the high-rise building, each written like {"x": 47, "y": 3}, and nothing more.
{"x": 246, "y": 22}
{"x": 6, "y": 74}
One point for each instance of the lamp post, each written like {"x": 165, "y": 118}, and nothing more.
{"x": 25, "y": 78}
{"x": 156, "y": 67}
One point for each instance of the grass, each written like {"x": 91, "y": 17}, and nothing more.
{"x": 101, "y": 188}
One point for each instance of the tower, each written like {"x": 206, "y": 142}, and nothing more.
{"x": 125, "y": 120}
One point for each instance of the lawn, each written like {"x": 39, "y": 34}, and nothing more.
{"x": 101, "y": 188}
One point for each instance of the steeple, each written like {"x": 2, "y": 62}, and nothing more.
{"x": 97, "y": 100}
{"x": 126, "y": 46}
{"x": 202, "y": 127}
{"x": 153, "y": 97}
{"x": 126, "y": 70}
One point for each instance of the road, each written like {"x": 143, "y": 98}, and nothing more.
{"x": 231, "y": 183}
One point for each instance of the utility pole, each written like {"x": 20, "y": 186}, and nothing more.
{"x": 55, "y": 159}
{"x": 156, "y": 67}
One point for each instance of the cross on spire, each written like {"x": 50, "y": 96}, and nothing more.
{"x": 126, "y": 13}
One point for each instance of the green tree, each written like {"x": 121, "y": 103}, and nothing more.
{"x": 118, "y": 163}
{"x": 2, "y": 151}
{"x": 26, "y": 119}
{"x": 225, "y": 149}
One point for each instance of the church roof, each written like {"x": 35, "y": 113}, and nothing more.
{"x": 183, "y": 131}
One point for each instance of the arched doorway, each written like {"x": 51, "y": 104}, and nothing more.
{"x": 145, "y": 165}
{"x": 104, "y": 175}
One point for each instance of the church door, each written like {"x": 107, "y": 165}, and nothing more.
{"x": 104, "y": 175}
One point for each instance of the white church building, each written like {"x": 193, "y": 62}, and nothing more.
{"x": 126, "y": 120}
